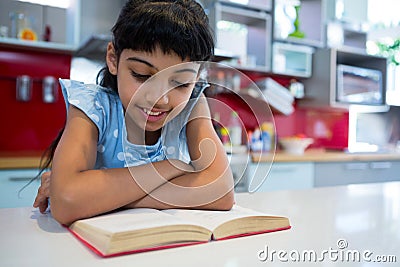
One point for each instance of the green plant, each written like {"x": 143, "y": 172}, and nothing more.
{"x": 297, "y": 32}
{"x": 391, "y": 51}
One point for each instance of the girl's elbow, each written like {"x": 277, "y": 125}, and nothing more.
{"x": 63, "y": 207}
{"x": 225, "y": 203}
{"x": 228, "y": 201}
{"x": 61, "y": 217}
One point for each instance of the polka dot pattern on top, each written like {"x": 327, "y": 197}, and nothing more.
{"x": 104, "y": 108}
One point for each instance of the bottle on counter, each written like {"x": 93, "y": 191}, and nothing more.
{"x": 256, "y": 144}
{"x": 266, "y": 135}
{"x": 47, "y": 34}
{"x": 224, "y": 135}
{"x": 22, "y": 27}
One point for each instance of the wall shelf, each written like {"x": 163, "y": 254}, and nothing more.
{"x": 251, "y": 30}
{"x": 51, "y": 47}
{"x": 265, "y": 5}
{"x": 311, "y": 22}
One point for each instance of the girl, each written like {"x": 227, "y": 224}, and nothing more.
{"x": 165, "y": 152}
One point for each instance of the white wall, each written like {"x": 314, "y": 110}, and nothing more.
{"x": 40, "y": 17}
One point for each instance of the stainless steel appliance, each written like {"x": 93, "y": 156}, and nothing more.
{"x": 356, "y": 85}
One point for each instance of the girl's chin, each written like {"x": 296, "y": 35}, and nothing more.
{"x": 152, "y": 129}
{"x": 149, "y": 126}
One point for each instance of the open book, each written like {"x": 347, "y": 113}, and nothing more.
{"x": 140, "y": 230}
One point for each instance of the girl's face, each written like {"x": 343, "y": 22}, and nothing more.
{"x": 153, "y": 87}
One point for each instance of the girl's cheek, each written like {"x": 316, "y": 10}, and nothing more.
{"x": 181, "y": 98}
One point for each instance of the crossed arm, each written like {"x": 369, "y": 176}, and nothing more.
{"x": 76, "y": 190}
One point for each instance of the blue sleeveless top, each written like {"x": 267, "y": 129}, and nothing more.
{"x": 104, "y": 108}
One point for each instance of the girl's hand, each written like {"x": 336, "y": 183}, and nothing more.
{"x": 42, "y": 197}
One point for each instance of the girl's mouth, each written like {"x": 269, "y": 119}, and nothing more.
{"x": 153, "y": 115}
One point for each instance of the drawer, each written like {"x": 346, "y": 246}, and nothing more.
{"x": 335, "y": 173}
{"x": 282, "y": 176}
{"x": 12, "y": 191}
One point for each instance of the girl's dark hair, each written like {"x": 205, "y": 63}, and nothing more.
{"x": 175, "y": 26}
{"x": 181, "y": 27}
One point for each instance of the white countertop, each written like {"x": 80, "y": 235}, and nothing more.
{"x": 365, "y": 217}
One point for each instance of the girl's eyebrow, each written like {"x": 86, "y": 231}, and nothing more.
{"x": 154, "y": 67}
{"x": 186, "y": 70}
{"x": 141, "y": 61}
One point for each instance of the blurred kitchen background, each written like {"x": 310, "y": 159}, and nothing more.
{"x": 327, "y": 69}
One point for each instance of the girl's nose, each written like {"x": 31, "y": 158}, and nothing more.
{"x": 157, "y": 99}
{"x": 157, "y": 94}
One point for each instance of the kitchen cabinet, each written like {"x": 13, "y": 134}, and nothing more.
{"x": 343, "y": 173}
{"x": 341, "y": 34}
{"x": 313, "y": 169}
{"x": 347, "y": 23}
{"x": 255, "y": 49}
{"x": 32, "y": 123}
{"x": 311, "y": 22}
{"x": 286, "y": 176}
{"x": 12, "y": 191}
{"x": 292, "y": 59}
{"x": 252, "y": 4}
{"x": 249, "y": 27}
{"x": 298, "y": 29}
{"x": 84, "y": 28}
{"x": 279, "y": 176}
{"x": 321, "y": 88}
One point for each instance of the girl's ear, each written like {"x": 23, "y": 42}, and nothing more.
{"x": 111, "y": 59}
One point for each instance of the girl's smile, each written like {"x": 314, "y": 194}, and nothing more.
{"x": 154, "y": 115}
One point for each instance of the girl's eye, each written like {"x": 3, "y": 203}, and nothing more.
{"x": 140, "y": 77}
{"x": 182, "y": 85}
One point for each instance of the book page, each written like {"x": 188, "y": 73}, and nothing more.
{"x": 131, "y": 219}
{"x": 212, "y": 219}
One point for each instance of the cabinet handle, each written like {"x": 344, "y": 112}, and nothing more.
{"x": 381, "y": 165}
{"x": 285, "y": 169}
{"x": 20, "y": 179}
{"x": 356, "y": 166}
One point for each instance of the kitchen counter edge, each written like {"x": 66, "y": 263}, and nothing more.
{"x": 320, "y": 155}
{"x": 13, "y": 161}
